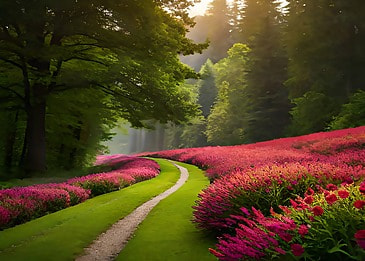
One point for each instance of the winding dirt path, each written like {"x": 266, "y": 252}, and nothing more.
{"x": 108, "y": 245}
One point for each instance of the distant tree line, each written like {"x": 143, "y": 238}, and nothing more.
{"x": 276, "y": 71}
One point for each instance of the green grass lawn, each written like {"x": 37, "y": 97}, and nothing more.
{"x": 63, "y": 235}
{"x": 168, "y": 233}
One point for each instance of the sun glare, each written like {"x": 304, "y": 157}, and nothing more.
{"x": 200, "y": 8}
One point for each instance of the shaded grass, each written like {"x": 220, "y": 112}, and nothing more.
{"x": 63, "y": 235}
{"x": 168, "y": 233}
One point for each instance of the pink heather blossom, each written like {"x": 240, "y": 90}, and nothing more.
{"x": 273, "y": 213}
{"x": 5, "y": 216}
{"x": 331, "y": 198}
{"x": 285, "y": 236}
{"x": 245, "y": 211}
{"x": 215, "y": 252}
{"x": 362, "y": 187}
{"x": 317, "y": 211}
{"x": 294, "y": 204}
{"x": 343, "y": 193}
{"x": 297, "y": 249}
{"x": 303, "y": 230}
{"x": 285, "y": 209}
{"x": 280, "y": 250}
{"x": 360, "y": 238}
{"x": 359, "y": 204}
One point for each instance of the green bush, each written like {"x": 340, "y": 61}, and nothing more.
{"x": 352, "y": 113}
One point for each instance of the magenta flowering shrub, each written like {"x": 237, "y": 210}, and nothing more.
{"x": 328, "y": 225}
{"x": 77, "y": 194}
{"x": 223, "y": 160}
{"x": 333, "y": 145}
{"x": 24, "y": 203}
{"x": 102, "y": 183}
{"x": 263, "y": 188}
{"x": 272, "y": 174}
{"x": 258, "y": 237}
{"x": 131, "y": 170}
{"x": 21, "y": 204}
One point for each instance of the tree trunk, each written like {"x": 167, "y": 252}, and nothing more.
{"x": 10, "y": 141}
{"x": 35, "y": 160}
{"x": 74, "y": 151}
{"x": 24, "y": 148}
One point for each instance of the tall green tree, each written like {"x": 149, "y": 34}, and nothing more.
{"x": 127, "y": 49}
{"x": 191, "y": 133}
{"x": 268, "y": 104}
{"x": 227, "y": 121}
{"x": 77, "y": 122}
{"x": 236, "y": 17}
{"x": 352, "y": 113}
{"x": 207, "y": 88}
{"x": 325, "y": 42}
{"x": 219, "y": 30}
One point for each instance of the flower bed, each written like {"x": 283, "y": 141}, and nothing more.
{"x": 21, "y": 204}
{"x": 268, "y": 177}
{"x": 328, "y": 225}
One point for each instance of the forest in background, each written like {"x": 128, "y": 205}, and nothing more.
{"x": 275, "y": 71}
{"x": 70, "y": 70}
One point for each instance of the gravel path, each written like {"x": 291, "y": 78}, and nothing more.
{"x": 108, "y": 245}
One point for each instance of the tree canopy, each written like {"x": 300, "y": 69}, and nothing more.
{"x": 125, "y": 49}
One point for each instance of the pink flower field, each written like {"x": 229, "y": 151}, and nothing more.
{"x": 21, "y": 204}
{"x": 290, "y": 198}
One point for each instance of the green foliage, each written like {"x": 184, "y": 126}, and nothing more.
{"x": 126, "y": 50}
{"x": 191, "y": 133}
{"x": 303, "y": 118}
{"x": 207, "y": 88}
{"x": 77, "y": 122}
{"x": 219, "y": 28}
{"x": 331, "y": 230}
{"x": 352, "y": 114}
{"x": 324, "y": 40}
{"x": 226, "y": 122}
{"x": 267, "y": 103}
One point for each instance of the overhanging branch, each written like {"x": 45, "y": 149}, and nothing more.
{"x": 22, "y": 98}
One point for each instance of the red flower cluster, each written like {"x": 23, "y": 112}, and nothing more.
{"x": 317, "y": 211}
{"x": 360, "y": 238}
{"x": 359, "y": 204}
{"x": 362, "y": 187}
{"x": 297, "y": 249}
{"x": 343, "y": 193}
{"x": 331, "y": 198}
